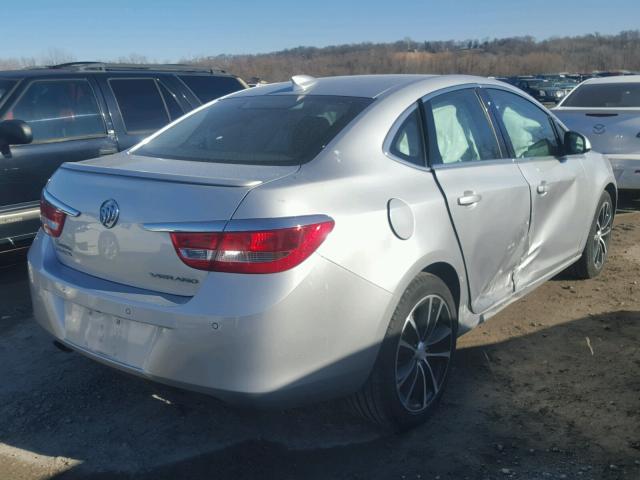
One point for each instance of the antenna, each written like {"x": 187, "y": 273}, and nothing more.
{"x": 302, "y": 82}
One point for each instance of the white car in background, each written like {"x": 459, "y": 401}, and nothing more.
{"x": 607, "y": 111}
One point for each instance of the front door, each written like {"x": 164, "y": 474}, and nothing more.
{"x": 555, "y": 184}
{"x": 67, "y": 126}
{"x": 487, "y": 195}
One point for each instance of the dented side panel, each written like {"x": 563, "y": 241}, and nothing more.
{"x": 558, "y": 213}
{"x": 493, "y": 231}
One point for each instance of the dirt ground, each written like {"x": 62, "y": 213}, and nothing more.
{"x": 549, "y": 388}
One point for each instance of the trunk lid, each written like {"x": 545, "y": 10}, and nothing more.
{"x": 147, "y": 190}
{"x": 611, "y": 131}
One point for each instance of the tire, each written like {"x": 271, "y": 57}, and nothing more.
{"x": 595, "y": 252}
{"x": 408, "y": 379}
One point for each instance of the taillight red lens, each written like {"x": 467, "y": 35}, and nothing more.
{"x": 265, "y": 251}
{"x": 52, "y": 219}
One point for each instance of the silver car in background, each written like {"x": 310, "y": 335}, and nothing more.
{"x": 607, "y": 111}
{"x": 319, "y": 238}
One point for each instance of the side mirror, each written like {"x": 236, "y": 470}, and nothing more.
{"x": 14, "y": 132}
{"x": 575, "y": 143}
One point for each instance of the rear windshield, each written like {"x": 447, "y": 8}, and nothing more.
{"x": 605, "y": 95}
{"x": 5, "y": 87}
{"x": 209, "y": 87}
{"x": 261, "y": 130}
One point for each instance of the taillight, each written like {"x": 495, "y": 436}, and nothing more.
{"x": 264, "y": 251}
{"x": 52, "y": 218}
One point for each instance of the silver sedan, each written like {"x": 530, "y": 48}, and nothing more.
{"x": 607, "y": 111}
{"x": 319, "y": 238}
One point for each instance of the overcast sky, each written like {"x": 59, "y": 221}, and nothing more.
{"x": 170, "y": 30}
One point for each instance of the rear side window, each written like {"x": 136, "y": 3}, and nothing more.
{"x": 462, "y": 130}
{"x": 175, "y": 110}
{"x": 261, "y": 130}
{"x": 5, "y": 87}
{"x": 605, "y": 95}
{"x": 209, "y": 87}
{"x": 528, "y": 127}
{"x": 407, "y": 143}
{"x": 140, "y": 103}
{"x": 59, "y": 110}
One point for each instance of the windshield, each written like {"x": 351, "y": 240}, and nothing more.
{"x": 605, "y": 95}
{"x": 261, "y": 130}
{"x": 5, "y": 87}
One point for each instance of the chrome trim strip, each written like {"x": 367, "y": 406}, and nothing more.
{"x": 193, "y": 227}
{"x": 19, "y": 216}
{"x": 236, "y": 225}
{"x": 72, "y": 212}
{"x": 257, "y": 224}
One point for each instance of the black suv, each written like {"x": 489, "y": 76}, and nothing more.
{"x": 77, "y": 111}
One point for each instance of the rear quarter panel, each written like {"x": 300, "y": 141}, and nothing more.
{"x": 352, "y": 181}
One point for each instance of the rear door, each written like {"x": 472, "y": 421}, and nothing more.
{"x": 139, "y": 105}
{"x": 556, "y": 182}
{"x": 487, "y": 195}
{"x": 68, "y": 125}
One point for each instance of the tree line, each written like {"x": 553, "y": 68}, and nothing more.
{"x": 495, "y": 57}
{"x": 487, "y": 57}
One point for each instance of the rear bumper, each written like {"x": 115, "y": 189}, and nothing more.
{"x": 307, "y": 334}
{"x": 626, "y": 169}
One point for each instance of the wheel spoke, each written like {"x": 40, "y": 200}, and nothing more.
{"x": 603, "y": 246}
{"x": 407, "y": 345}
{"x": 439, "y": 335}
{"x": 434, "y": 382}
{"x": 401, "y": 379}
{"x": 413, "y": 385}
{"x": 411, "y": 321}
{"x": 433, "y": 326}
{"x": 596, "y": 254}
{"x": 438, "y": 354}
{"x": 428, "y": 325}
{"x": 424, "y": 386}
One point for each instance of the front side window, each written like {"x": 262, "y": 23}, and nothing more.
{"x": 210, "y": 87}
{"x": 407, "y": 142}
{"x": 260, "y": 130}
{"x": 140, "y": 103}
{"x": 59, "y": 110}
{"x": 605, "y": 95}
{"x": 462, "y": 130}
{"x": 528, "y": 128}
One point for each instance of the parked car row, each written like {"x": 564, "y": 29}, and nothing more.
{"x": 313, "y": 238}
{"x": 79, "y": 111}
{"x": 544, "y": 88}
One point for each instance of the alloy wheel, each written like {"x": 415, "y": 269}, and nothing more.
{"x": 423, "y": 353}
{"x": 601, "y": 237}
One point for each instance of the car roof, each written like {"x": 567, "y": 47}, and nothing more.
{"x": 614, "y": 79}
{"x": 110, "y": 68}
{"x": 368, "y": 86}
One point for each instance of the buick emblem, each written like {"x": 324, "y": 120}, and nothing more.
{"x": 599, "y": 128}
{"x": 109, "y": 213}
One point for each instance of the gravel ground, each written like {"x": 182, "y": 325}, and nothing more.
{"x": 547, "y": 389}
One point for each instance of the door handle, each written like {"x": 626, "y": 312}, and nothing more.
{"x": 107, "y": 151}
{"x": 469, "y": 198}
{"x": 542, "y": 188}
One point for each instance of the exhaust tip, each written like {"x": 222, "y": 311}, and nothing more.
{"x": 62, "y": 346}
